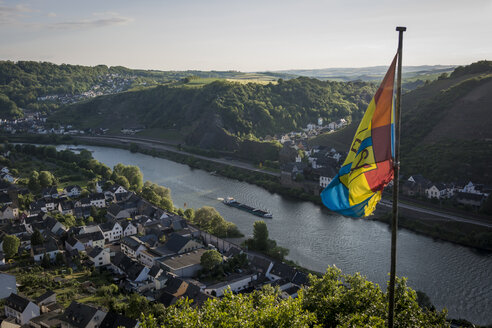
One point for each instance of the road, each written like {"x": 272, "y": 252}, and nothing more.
{"x": 448, "y": 216}
{"x": 160, "y": 145}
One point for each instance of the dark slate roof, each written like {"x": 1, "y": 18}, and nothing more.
{"x": 154, "y": 271}
{"x": 78, "y": 315}
{"x": 97, "y": 196}
{"x": 85, "y": 201}
{"x": 150, "y": 239}
{"x": 66, "y": 206}
{"x": 261, "y": 264}
{"x": 72, "y": 241}
{"x": 114, "y": 209}
{"x": 123, "y": 196}
{"x": 86, "y": 237}
{"x": 167, "y": 299}
{"x": 46, "y": 295}
{"x": 283, "y": 270}
{"x": 125, "y": 223}
{"x": 131, "y": 242}
{"x": 69, "y": 188}
{"x": 131, "y": 268}
{"x": 114, "y": 320}
{"x": 173, "y": 284}
{"x": 17, "y": 302}
{"x": 292, "y": 290}
{"x": 5, "y": 198}
{"x": 95, "y": 252}
{"x": 300, "y": 278}
{"x": 176, "y": 242}
{"x": 107, "y": 226}
{"x": 48, "y": 246}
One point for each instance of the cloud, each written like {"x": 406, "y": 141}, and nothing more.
{"x": 12, "y": 14}
{"x": 100, "y": 21}
{"x": 51, "y": 14}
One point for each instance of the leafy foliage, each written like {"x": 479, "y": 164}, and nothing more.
{"x": 242, "y": 109}
{"x": 208, "y": 219}
{"x": 333, "y": 300}
{"x": 11, "y": 245}
{"x": 210, "y": 259}
{"x": 260, "y": 242}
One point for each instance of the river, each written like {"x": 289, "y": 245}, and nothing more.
{"x": 454, "y": 277}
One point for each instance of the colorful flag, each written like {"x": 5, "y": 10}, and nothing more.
{"x": 368, "y": 168}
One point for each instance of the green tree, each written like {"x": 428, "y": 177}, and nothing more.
{"x": 46, "y": 178}
{"x": 60, "y": 259}
{"x": 210, "y": 259}
{"x": 189, "y": 213}
{"x": 46, "y": 261}
{"x": 260, "y": 235}
{"x": 11, "y": 245}
{"x": 37, "y": 238}
{"x": 123, "y": 181}
{"x": 136, "y": 306}
{"x": 340, "y": 300}
{"x": 34, "y": 184}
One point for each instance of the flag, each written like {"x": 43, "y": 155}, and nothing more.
{"x": 368, "y": 168}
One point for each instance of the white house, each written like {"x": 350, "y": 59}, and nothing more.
{"x": 98, "y": 200}
{"x": 437, "y": 191}
{"x": 73, "y": 191}
{"x": 99, "y": 256}
{"x": 81, "y": 316}
{"x": 20, "y": 308}
{"x": 236, "y": 285}
{"x": 132, "y": 246}
{"x": 129, "y": 229}
{"x": 49, "y": 247}
{"x": 148, "y": 257}
{"x": 111, "y": 230}
{"x": 8, "y": 212}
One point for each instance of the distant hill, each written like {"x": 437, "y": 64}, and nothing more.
{"x": 373, "y": 73}
{"x": 22, "y": 83}
{"x": 229, "y": 109}
{"x": 446, "y": 132}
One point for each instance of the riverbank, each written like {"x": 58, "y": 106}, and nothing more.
{"x": 465, "y": 234}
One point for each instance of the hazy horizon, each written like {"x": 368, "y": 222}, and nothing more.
{"x": 249, "y": 36}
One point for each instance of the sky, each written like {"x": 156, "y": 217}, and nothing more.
{"x": 246, "y": 35}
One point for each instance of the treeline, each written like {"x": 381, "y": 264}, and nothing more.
{"x": 241, "y": 109}
{"x": 333, "y": 300}
{"x": 22, "y": 82}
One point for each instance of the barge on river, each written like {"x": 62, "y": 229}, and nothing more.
{"x": 255, "y": 211}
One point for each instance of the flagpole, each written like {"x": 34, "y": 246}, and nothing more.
{"x": 396, "y": 166}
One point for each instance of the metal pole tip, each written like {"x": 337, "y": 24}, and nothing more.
{"x": 401, "y": 28}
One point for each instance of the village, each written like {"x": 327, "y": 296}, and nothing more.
{"x": 312, "y": 168}
{"x": 142, "y": 248}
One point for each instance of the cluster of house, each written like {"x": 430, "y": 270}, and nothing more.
{"x": 317, "y": 169}
{"x": 468, "y": 194}
{"x": 149, "y": 251}
{"x": 44, "y": 312}
{"x": 35, "y": 123}
{"x": 108, "y": 84}
{"x": 310, "y": 131}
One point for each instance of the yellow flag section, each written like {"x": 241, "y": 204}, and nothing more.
{"x": 368, "y": 168}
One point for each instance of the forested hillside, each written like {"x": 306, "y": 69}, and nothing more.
{"x": 23, "y": 82}
{"x": 236, "y": 109}
{"x": 446, "y": 133}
